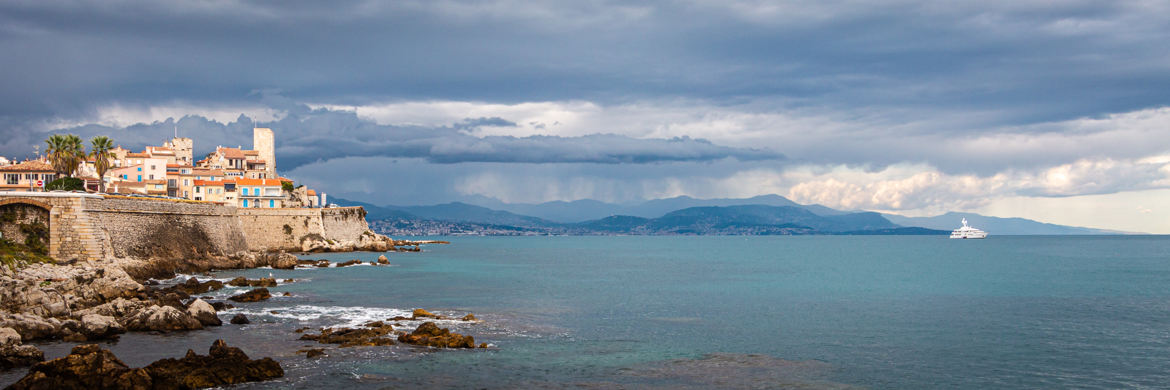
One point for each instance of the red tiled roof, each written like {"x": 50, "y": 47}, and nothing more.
{"x": 232, "y": 153}
{"x": 214, "y": 183}
{"x": 28, "y": 166}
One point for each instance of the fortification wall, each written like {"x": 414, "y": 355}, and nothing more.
{"x": 146, "y": 228}
{"x": 286, "y": 229}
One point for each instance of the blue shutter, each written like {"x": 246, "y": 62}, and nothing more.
{"x": 245, "y": 203}
{"x": 271, "y": 204}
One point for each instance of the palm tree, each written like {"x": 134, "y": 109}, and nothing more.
{"x": 65, "y": 153}
{"x": 100, "y": 151}
{"x": 55, "y": 145}
{"x": 74, "y": 153}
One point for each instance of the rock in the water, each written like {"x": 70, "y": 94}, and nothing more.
{"x": 349, "y": 263}
{"x": 240, "y": 319}
{"x": 322, "y": 263}
{"x": 245, "y": 282}
{"x": 429, "y": 334}
{"x": 204, "y": 312}
{"x": 9, "y": 337}
{"x": 469, "y": 317}
{"x": 256, "y": 295}
{"x": 90, "y": 367}
{"x": 221, "y": 306}
{"x": 349, "y": 337}
{"x": 312, "y": 352}
{"x": 193, "y": 286}
{"x": 383, "y": 260}
{"x": 162, "y": 318}
{"x": 224, "y": 365}
{"x": 13, "y": 354}
{"x": 97, "y": 327}
{"x": 421, "y": 313}
{"x": 87, "y": 367}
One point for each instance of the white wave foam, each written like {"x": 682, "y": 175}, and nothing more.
{"x": 342, "y": 316}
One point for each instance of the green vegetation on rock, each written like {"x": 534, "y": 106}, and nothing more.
{"x": 66, "y": 184}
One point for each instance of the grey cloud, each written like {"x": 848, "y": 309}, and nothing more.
{"x": 305, "y": 136}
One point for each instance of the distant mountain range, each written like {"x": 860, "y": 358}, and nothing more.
{"x": 761, "y": 215}
{"x": 995, "y": 225}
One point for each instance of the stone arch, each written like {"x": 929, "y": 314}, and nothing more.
{"x": 22, "y": 218}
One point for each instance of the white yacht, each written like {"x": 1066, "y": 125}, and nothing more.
{"x": 968, "y": 232}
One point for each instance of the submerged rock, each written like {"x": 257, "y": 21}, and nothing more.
{"x": 91, "y": 367}
{"x": 256, "y": 295}
{"x": 313, "y": 352}
{"x": 430, "y": 335}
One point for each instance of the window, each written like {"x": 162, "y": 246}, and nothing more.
{"x": 151, "y": 177}
{"x": 139, "y": 169}
{"x": 152, "y": 167}
{"x": 12, "y": 178}
{"x": 245, "y": 193}
{"x": 271, "y": 203}
{"x": 256, "y": 190}
{"x": 140, "y": 176}
{"x": 245, "y": 203}
{"x": 196, "y": 190}
{"x": 186, "y": 182}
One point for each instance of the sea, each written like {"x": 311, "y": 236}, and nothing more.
{"x": 719, "y": 312}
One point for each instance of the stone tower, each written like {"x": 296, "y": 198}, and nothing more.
{"x": 182, "y": 148}
{"x": 263, "y": 142}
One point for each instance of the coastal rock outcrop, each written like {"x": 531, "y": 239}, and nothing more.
{"x": 431, "y": 335}
{"x": 193, "y": 286}
{"x": 203, "y": 312}
{"x": 245, "y": 282}
{"x": 98, "y": 327}
{"x": 224, "y": 365}
{"x": 13, "y": 354}
{"x": 373, "y": 334}
{"x": 91, "y": 367}
{"x": 349, "y": 263}
{"x": 383, "y": 260}
{"x": 162, "y": 319}
{"x": 256, "y": 295}
{"x": 422, "y": 313}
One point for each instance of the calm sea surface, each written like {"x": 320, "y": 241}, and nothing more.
{"x": 881, "y": 312}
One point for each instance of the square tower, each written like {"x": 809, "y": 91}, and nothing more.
{"x": 183, "y": 150}
{"x": 263, "y": 142}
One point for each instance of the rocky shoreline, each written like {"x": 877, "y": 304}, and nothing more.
{"x": 86, "y": 302}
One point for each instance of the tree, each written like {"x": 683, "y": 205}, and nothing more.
{"x": 65, "y": 153}
{"x": 53, "y": 150}
{"x": 74, "y": 153}
{"x": 100, "y": 151}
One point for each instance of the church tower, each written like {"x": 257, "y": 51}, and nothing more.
{"x": 263, "y": 142}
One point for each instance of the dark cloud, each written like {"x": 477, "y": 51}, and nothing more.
{"x": 1026, "y": 61}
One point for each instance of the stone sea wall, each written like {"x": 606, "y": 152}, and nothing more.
{"x": 146, "y": 228}
{"x": 288, "y": 229}
{"x": 92, "y": 227}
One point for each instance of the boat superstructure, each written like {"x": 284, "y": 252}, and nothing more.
{"x": 968, "y": 232}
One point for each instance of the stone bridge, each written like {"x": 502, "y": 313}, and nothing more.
{"x": 71, "y": 232}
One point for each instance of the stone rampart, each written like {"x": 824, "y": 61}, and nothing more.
{"x": 93, "y": 227}
{"x": 146, "y": 228}
{"x": 286, "y": 229}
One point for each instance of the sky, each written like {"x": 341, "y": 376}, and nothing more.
{"x": 1051, "y": 110}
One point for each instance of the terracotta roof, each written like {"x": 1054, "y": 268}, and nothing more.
{"x": 258, "y": 182}
{"x": 311, "y": 193}
{"x": 214, "y": 183}
{"x": 173, "y": 165}
{"x": 155, "y": 181}
{"x": 28, "y": 166}
{"x": 251, "y": 153}
{"x": 231, "y": 152}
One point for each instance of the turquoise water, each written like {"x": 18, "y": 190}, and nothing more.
{"x": 736, "y": 312}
